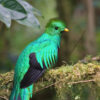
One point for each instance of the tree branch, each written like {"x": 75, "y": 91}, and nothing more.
{"x": 58, "y": 78}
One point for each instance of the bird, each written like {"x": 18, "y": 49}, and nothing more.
{"x": 36, "y": 58}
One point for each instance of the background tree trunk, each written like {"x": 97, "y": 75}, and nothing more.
{"x": 4, "y": 46}
{"x": 90, "y": 36}
{"x": 64, "y": 11}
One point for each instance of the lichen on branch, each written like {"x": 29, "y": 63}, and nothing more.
{"x": 66, "y": 80}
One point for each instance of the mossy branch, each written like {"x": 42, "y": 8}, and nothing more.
{"x": 62, "y": 79}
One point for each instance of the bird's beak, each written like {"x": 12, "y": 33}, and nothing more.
{"x": 66, "y": 30}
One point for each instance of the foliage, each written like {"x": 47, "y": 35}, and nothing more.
{"x": 75, "y": 82}
{"x": 96, "y": 3}
{"x": 20, "y": 11}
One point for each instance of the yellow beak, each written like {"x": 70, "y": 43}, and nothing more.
{"x": 66, "y": 30}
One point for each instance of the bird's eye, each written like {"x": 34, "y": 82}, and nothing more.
{"x": 56, "y": 28}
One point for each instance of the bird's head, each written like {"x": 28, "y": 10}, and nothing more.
{"x": 55, "y": 27}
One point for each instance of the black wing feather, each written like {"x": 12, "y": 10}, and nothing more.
{"x": 34, "y": 72}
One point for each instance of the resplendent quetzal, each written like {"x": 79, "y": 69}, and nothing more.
{"x": 38, "y": 56}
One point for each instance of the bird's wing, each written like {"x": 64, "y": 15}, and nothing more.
{"x": 47, "y": 55}
{"x": 39, "y": 61}
{"x": 34, "y": 72}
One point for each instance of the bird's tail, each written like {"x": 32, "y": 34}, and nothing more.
{"x": 21, "y": 94}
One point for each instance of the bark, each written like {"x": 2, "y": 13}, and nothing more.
{"x": 90, "y": 42}
{"x": 64, "y": 11}
{"x": 4, "y": 45}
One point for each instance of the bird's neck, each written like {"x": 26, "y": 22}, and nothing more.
{"x": 55, "y": 39}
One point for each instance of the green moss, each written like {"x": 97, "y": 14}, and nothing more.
{"x": 77, "y": 82}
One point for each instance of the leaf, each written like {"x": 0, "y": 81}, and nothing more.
{"x": 14, "y": 8}
{"x": 29, "y": 7}
{"x": 13, "y": 5}
{"x": 30, "y": 20}
{"x": 20, "y": 11}
{"x": 16, "y": 15}
{"x": 1, "y": 1}
{"x": 5, "y": 16}
{"x": 36, "y": 12}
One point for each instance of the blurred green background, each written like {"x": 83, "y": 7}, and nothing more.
{"x": 82, "y": 17}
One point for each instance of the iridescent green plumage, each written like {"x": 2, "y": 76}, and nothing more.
{"x": 35, "y": 58}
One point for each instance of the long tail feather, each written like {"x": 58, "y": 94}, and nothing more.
{"x": 21, "y": 94}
